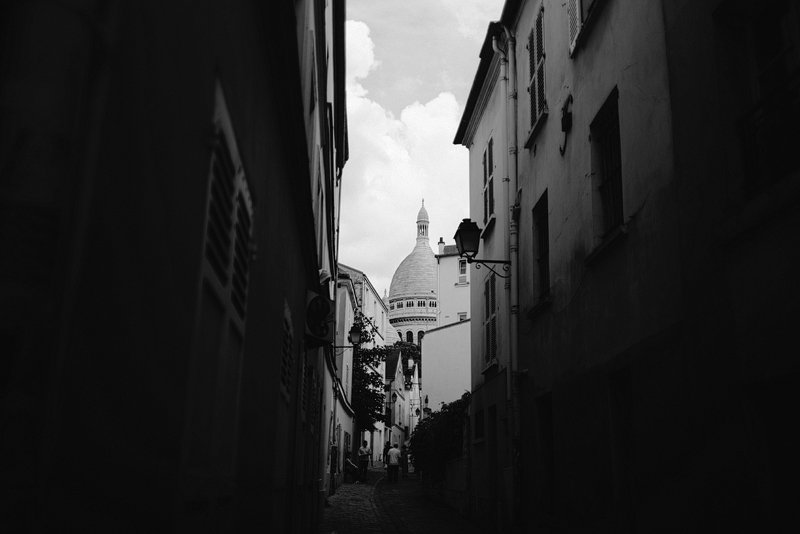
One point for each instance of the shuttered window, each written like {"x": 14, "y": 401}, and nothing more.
{"x": 607, "y": 163}
{"x": 490, "y": 322}
{"x": 541, "y": 250}
{"x": 578, "y": 13}
{"x": 213, "y": 390}
{"x": 536, "y": 57}
{"x": 488, "y": 181}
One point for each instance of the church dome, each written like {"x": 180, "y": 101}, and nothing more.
{"x": 423, "y": 214}
{"x": 413, "y": 302}
{"x": 416, "y": 274}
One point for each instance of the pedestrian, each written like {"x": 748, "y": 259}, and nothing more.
{"x": 386, "y": 448}
{"x": 404, "y": 461}
{"x": 363, "y": 460}
{"x": 394, "y": 462}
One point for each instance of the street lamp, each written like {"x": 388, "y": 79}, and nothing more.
{"x": 468, "y": 238}
{"x": 353, "y": 336}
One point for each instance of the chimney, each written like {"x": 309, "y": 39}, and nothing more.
{"x": 441, "y": 246}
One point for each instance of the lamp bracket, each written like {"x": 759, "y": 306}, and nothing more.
{"x": 505, "y": 263}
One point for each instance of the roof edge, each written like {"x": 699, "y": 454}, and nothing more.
{"x": 508, "y": 18}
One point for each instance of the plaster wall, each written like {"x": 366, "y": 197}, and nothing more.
{"x": 453, "y": 294}
{"x": 446, "y": 369}
{"x": 493, "y": 244}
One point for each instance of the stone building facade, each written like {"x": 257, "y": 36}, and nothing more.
{"x": 634, "y": 162}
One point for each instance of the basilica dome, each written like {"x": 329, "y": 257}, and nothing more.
{"x": 412, "y": 293}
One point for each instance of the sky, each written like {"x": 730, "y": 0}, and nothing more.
{"x": 410, "y": 66}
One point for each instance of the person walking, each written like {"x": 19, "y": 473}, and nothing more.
{"x": 363, "y": 460}
{"x": 404, "y": 461}
{"x": 386, "y": 448}
{"x": 393, "y": 456}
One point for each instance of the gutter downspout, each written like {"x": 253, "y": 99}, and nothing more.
{"x": 506, "y": 182}
{"x": 513, "y": 248}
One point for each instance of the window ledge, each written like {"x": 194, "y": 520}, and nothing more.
{"x": 543, "y": 304}
{"x": 536, "y": 127}
{"x": 460, "y": 284}
{"x": 614, "y": 236}
{"x": 491, "y": 364}
{"x": 487, "y": 230}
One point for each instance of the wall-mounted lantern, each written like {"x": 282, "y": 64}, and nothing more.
{"x": 468, "y": 237}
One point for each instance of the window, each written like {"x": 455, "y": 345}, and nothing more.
{"x": 607, "y": 166}
{"x": 765, "y": 49}
{"x": 432, "y": 304}
{"x": 213, "y": 391}
{"x": 420, "y": 303}
{"x": 462, "y": 316}
{"x": 488, "y": 181}
{"x": 409, "y": 304}
{"x": 578, "y": 16}
{"x": 478, "y": 429}
{"x": 536, "y": 69}
{"x": 541, "y": 250}
{"x": 391, "y": 306}
{"x": 410, "y": 336}
{"x": 462, "y": 271}
{"x": 399, "y": 305}
{"x": 420, "y": 335}
{"x": 490, "y": 323}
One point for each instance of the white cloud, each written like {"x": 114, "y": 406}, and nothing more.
{"x": 360, "y": 52}
{"x": 394, "y": 163}
{"x": 473, "y": 18}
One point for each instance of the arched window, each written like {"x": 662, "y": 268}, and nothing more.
{"x": 421, "y": 303}
{"x": 420, "y": 335}
{"x": 410, "y": 336}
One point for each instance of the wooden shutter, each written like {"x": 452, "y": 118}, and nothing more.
{"x": 574, "y": 23}
{"x": 490, "y": 182}
{"x": 540, "y": 101}
{"x": 485, "y": 195}
{"x": 213, "y": 389}
{"x": 532, "y": 74}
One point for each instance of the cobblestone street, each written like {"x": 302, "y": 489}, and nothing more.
{"x": 379, "y": 507}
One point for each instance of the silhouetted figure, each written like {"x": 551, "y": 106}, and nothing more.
{"x": 393, "y": 457}
{"x": 363, "y": 460}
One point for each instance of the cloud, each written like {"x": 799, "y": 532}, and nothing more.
{"x": 395, "y": 161}
{"x": 360, "y": 52}
{"x": 472, "y": 18}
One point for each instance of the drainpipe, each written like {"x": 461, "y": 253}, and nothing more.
{"x": 506, "y": 183}
{"x": 513, "y": 220}
{"x": 511, "y": 117}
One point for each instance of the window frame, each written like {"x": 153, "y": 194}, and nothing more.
{"x": 541, "y": 250}
{"x": 580, "y": 15}
{"x": 488, "y": 181}
{"x": 536, "y": 86}
{"x": 490, "y": 319}
{"x": 607, "y": 165}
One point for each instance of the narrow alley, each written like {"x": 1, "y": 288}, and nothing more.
{"x": 378, "y": 507}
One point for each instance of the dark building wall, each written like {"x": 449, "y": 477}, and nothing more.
{"x": 106, "y": 144}
{"x": 657, "y": 391}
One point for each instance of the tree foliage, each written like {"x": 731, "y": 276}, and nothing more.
{"x": 439, "y": 438}
{"x": 367, "y": 396}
